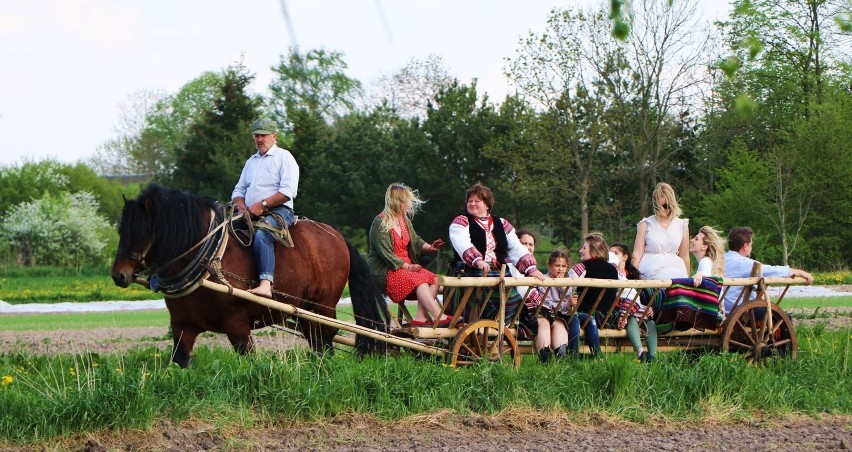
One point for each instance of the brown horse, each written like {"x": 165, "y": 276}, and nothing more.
{"x": 173, "y": 236}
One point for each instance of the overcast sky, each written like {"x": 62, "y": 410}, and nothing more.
{"x": 68, "y": 65}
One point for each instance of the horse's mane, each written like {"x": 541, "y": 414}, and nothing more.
{"x": 175, "y": 220}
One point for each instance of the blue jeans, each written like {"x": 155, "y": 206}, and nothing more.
{"x": 264, "y": 243}
{"x": 593, "y": 340}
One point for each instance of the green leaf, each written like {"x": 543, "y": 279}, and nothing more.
{"x": 744, "y": 105}
{"x": 615, "y": 8}
{"x": 730, "y": 66}
{"x": 844, "y": 21}
{"x": 620, "y": 30}
{"x": 753, "y": 45}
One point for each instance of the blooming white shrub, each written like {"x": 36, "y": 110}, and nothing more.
{"x": 63, "y": 229}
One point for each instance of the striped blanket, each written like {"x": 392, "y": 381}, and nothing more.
{"x": 692, "y": 307}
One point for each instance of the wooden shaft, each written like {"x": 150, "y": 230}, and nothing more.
{"x": 314, "y": 317}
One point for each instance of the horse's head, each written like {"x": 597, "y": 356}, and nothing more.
{"x": 135, "y": 237}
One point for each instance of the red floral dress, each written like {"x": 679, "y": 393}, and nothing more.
{"x": 401, "y": 283}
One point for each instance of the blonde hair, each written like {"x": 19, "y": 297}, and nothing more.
{"x": 400, "y": 201}
{"x": 715, "y": 248}
{"x": 665, "y": 191}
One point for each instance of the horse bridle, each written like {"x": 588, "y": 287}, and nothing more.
{"x": 139, "y": 258}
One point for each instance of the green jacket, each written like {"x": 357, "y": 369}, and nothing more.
{"x": 381, "y": 257}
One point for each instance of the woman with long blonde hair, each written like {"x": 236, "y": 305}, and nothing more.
{"x": 394, "y": 252}
{"x": 661, "y": 249}
{"x": 709, "y": 251}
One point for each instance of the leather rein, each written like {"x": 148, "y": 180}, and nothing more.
{"x": 210, "y": 250}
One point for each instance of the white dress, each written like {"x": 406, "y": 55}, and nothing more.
{"x": 660, "y": 260}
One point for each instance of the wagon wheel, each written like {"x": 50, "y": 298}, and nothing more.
{"x": 477, "y": 341}
{"x": 747, "y": 331}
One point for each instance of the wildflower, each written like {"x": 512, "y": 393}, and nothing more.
{"x": 72, "y": 371}
{"x": 94, "y": 364}
{"x": 7, "y": 379}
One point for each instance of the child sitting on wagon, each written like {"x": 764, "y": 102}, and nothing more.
{"x": 552, "y": 316}
{"x": 594, "y": 263}
{"x": 631, "y": 309}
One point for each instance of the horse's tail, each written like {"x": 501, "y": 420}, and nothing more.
{"x": 368, "y": 303}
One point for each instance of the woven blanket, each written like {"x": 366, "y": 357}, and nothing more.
{"x": 692, "y": 307}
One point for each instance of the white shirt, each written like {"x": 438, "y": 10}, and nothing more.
{"x": 460, "y": 239}
{"x": 739, "y": 266}
{"x": 263, "y": 176}
{"x": 705, "y": 267}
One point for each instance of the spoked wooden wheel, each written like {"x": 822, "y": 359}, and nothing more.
{"x": 747, "y": 331}
{"x": 478, "y": 342}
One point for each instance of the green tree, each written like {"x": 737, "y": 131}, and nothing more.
{"x": 514, "y": 146}
{"x": 29, "y": 181}
{"x": 459, "y": 125}
{"x": 822, "y": 143}
{"x": 357, "y": 160}
{"x": 786, "y": 50}
{"x": 314, "y": 82}
{"x": 790, "y": 58}
{"x": 310, "y": 93}
{"x": 217, "y": 147}
{"x": 122, "y": 155}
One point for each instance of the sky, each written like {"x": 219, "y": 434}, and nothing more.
{"x": 69, "y": 66}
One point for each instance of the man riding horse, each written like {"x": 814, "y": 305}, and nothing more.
{"x": 267, "y": 186}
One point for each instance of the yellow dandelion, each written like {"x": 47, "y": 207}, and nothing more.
{"x": 94, "y": 364}
{"x": 118, "y": 369}
{"x": 72, "y": 371}
{"x": 7, "y": 379}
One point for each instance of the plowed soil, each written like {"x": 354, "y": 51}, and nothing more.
{"x": 445, "y": 431}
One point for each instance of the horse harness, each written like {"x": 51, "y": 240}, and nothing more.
{"x": 211, "y": 248}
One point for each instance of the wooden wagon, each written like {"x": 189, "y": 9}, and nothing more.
{"x": 756, "y": 327}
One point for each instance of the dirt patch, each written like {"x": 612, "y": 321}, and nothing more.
{"x": 513, "y": 430}
{"x": 834, "y": 318}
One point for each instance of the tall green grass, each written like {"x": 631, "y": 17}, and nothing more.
{"x": 48, "y": 396}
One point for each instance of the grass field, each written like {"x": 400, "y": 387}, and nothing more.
{"x": 83, "y": 320}
{"x": 48, "y": 396}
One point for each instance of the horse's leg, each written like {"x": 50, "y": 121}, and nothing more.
{"x": 243, "y": 343}
{"x": 184, "y": 340}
